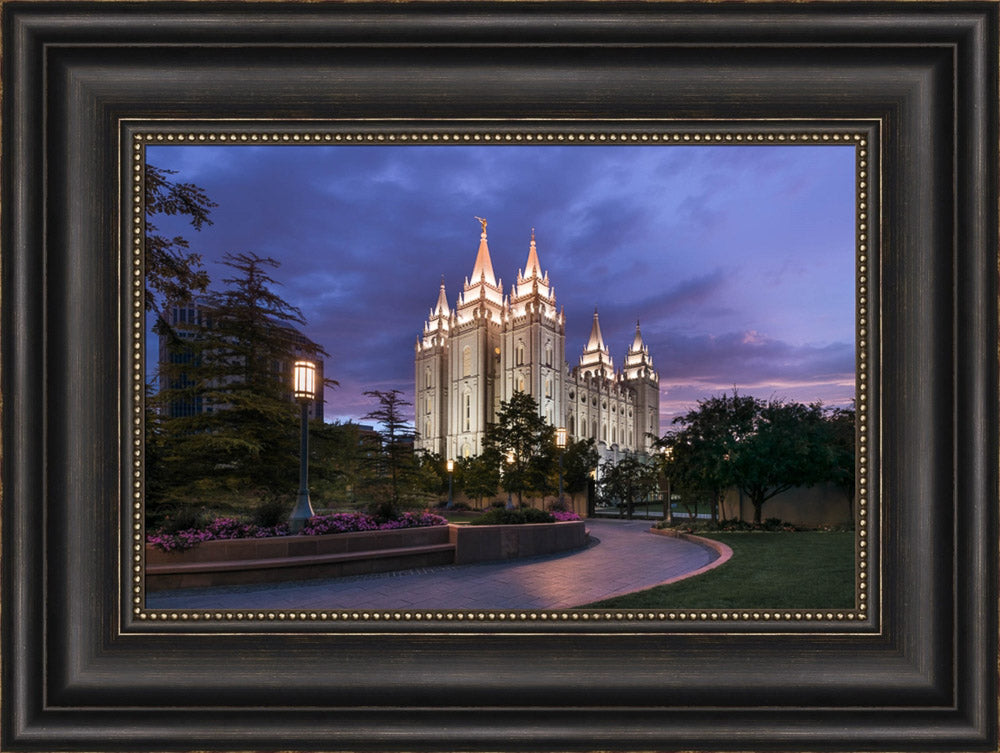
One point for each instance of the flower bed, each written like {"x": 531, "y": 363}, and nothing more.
{"x": 224, "y": 529}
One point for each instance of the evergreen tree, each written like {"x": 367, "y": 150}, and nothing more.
{"x": 230, "y": 365}
{"x": 526, "y": 444}
{"x": 392, "y": 456}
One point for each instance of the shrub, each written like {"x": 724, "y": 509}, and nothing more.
{"x": 272, "y": 511}
{"x": 501, "y": 516}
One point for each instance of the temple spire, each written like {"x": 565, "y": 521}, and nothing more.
{"x": 532, "y": 268}
{"x": 637, "y": 343}
{"x": 596, "y": 341}
{"x": 441, "y": 309}
{"x": 483, "y": 270}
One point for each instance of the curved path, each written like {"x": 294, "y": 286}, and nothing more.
{"x": 627, "y": 558}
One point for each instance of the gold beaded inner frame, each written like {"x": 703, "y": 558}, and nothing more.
{"x": 863, "y": 618}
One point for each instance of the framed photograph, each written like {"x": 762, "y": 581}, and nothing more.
{"x": 282, "y": 107}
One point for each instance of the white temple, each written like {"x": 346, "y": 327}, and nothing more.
{"x": 471, "y": 357}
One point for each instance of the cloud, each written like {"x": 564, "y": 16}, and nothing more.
{"x": 738, "y": 261}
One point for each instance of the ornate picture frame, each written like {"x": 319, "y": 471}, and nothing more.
{"x": 84, "y": 666}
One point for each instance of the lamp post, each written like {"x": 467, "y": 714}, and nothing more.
{"x": 510, "y": 462}
{"x": 561, "y": 444}
{"x": 668, "y": 505}
{"x": 451, "y": 472}
{"x": 304, "y": 380}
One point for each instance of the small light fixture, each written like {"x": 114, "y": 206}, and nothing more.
{"x": 451, "y": 465}
{"x": 305, "y": 380}
{"x": 561, "y": 438}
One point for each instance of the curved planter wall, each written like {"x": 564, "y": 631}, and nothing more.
{"x": 281, "y": 558}
{"x": 485, "y": 543}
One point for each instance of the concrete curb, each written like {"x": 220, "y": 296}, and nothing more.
{"x": 725, "y": 553}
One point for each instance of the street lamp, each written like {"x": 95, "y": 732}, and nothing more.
{"x": 668, "y": 507}
{"x": 304, "y": 389}
{"x": 510, "y": 462}
{"x": 451, "y": 471}
{"x": 561, "y": 444}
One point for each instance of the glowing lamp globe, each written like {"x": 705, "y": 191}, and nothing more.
{"x": 305, "y": 380}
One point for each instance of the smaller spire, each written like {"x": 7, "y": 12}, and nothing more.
{"x": 532, "y": 267}
{"x": 637, "y": 343}
{"x": 441, "y": 309}
{"x": 596, "y": 341}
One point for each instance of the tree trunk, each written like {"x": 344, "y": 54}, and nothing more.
{"x": 757, "y": 506}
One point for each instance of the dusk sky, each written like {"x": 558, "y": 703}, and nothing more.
{"x": 738, "y": 261}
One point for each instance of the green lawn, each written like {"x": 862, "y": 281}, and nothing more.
{"x": 801, "y": 570}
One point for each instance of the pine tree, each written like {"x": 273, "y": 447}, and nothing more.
{"x": 231, "y": 365}
{"x": 392, "y": 458}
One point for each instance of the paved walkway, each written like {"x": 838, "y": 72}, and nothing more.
{"x": 625, "y": 558}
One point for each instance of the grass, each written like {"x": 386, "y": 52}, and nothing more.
{"x": 801, "y": 570}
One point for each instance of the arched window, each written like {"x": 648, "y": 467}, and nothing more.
{"x": 572, "y": 425}
{"x": 548, "y": 353}
{"x": 427, "y": 377}
{"x": 467, "y": 411}
{"x": 614, "y": 434}
{"x": 548, "y": 387}
{"x": 604, "y": 432}
{"x": 519, "y": 353}
{"x": 430, "y": 404}
{"x": 466, "y": 450}
{"x": 520, "y": 384}
{"x": 593, "y": 429}
{"x": 466, "y": 361}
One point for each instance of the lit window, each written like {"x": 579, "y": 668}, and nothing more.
{"x": 467, "y": 361}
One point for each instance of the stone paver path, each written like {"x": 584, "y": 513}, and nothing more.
{"x": 626, "y": 558}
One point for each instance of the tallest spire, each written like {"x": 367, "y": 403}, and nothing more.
{"x": 483, "y": 270}
{"x": 533, "y": 268}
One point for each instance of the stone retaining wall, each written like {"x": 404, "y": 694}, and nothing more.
{"x": 485, "y": 543}
{"x": 273, "y": 559}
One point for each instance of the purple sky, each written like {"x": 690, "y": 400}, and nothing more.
{"x": 737, "y": 260}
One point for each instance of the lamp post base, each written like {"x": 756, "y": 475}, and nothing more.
{"x": 301, "y": 514}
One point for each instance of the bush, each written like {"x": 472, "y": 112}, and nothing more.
{"x": 182, "y": 518}
{"x": 730, "y": 525}
{"x": 501, "y": 516}
{"x": 456, "y": 506}
{"x": 272, "y": 511}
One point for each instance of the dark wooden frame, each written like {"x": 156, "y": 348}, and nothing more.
{"x": 79, "y": 674}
